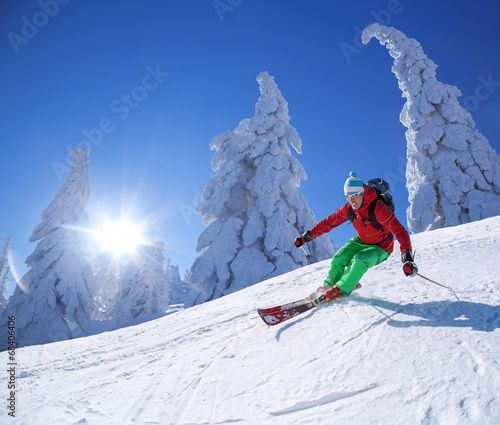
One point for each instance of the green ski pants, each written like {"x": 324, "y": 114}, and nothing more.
{"x": 351, "y": 262}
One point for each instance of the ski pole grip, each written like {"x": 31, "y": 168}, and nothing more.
{"x": 299, "y": 242}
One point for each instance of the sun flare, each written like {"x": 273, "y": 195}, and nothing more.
{"x": 119, "y": 237}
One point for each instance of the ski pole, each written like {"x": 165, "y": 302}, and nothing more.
{"x": 306, "y": 254}
{"x": 436, "y": 283}
{"x": 304, "y": 251}
{"x": 430, "y": 280}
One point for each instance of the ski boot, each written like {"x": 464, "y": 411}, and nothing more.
{"x": 333, "y": 292}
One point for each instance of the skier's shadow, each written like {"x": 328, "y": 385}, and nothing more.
{"x": 296, "y": 321}
{"x": 461, "y": 314}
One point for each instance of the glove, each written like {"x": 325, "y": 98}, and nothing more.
{"x": 410, "y": 269}
{"x": 407, "y": 256}
{"x": 306, "y": 237}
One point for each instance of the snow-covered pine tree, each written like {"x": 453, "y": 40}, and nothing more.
{"x": 453, "y": 174}
{"x": 223, "y": 207}
{"x": 178, "y": 288}
{"x": 128, "y": 290}
{"x": 143, "y": 291}
{"x": 4, "y": 272}
{"x": 53, "y": 302}
{"x": 279, "y": 212}
{"x": 106, "y": 267}
{"x": 251, "y": 208}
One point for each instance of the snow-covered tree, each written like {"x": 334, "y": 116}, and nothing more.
{"x": 279, "y": 212}
{"x": 4, "y": 272}
{"x": 178, "y": 287}
{"x": 453, "y": 174}
{"x": 53, "y": 301}
{"x": 106, "y": 267}
{"x": 143, "y": 291}
{"x": 223, "y": 207}
{"x": 251, "y": 208}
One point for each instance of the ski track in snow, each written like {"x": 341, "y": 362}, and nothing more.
{"x": 397, "y": 351}
{"x": 328, "y": 398}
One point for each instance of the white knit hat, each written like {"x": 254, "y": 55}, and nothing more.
{"x": 353, "y": 184}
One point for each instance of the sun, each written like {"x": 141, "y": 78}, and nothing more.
{"x": 119, "y": 237}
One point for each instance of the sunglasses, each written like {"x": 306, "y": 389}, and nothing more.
{"x": 353, "y": 195}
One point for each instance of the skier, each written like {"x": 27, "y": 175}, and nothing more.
{"x": 370, "y": 247}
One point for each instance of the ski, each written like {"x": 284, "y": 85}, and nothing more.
{"x": 275, "y": 315}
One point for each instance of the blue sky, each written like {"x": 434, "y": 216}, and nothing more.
{"x": 152, "y": 82}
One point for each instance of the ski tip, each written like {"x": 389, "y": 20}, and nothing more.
{"x": 264, "y": 318}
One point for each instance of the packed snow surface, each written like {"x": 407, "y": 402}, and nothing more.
{"x": 397, "y": 351}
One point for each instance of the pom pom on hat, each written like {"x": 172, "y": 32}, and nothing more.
{"x": 353, "y": 184}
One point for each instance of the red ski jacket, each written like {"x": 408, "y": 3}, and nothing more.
{"x": 366, "y": 232}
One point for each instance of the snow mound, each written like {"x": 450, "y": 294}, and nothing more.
{"x": 399, "y": 350}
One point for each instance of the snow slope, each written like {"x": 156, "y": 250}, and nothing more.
{"x": 398, "y": 351}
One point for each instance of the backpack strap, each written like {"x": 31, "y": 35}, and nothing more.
{"x": 350, "y": 214}
{"x": 373, "y": 219}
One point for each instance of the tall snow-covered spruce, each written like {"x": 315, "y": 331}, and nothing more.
{"x": 53, "y": 301}
{"x": 453, "y": 174}
{"x": 251, "y": 208}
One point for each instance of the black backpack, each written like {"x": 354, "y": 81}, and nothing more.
{"x": 382, "y": 188}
